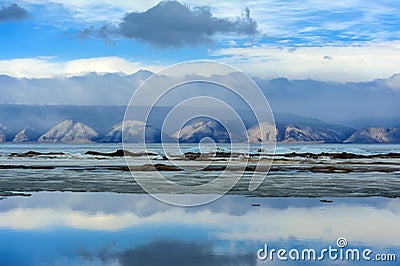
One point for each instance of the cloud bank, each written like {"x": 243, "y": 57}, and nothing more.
{"x": 50, "y": 67}
{"x": 329, "y": 63}
{"x": 174, "y": 25}
{"x": 330, "y": 101}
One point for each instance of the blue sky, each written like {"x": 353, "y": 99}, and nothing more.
{"x": 355, "y": 40}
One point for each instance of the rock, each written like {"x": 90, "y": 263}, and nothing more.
{"x": 118, "y": 153}
{"x": 38, "y": 167}
{"x": 192, "y": 155}
{"x": 155, "y": 167}
{"x": 342, "y": 155}
{"x": 6, "y": 194}
{"x": 34, "y": 154}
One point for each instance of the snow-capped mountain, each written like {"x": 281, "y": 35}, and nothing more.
{"x": 307, "y": 133}
{"x": 264, "y": 132}
{"x": 292, "y": 133}
{"x": 196, "y": 130}
{"x": 70, "y": 132}
{"x": 3, "y": 133}
{"x": 26, "y": 135}
{"x": 133, "y": 132}
{"x": 393, "y": 82}
{"x": 375, "y": 135}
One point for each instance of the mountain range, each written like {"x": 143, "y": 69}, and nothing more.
{"x": 307, "y": 130}
{"x": 95, "y": 104}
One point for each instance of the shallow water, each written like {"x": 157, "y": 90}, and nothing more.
{"x": 135, "y": 229}
{"x": 91, "y": 224}
{"x": 297, "y": 176}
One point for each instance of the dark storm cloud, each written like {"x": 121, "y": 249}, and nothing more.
{"x": 172, "y": 25}
{"x": 86, "y": 33}
{"x": 12, "y": 12}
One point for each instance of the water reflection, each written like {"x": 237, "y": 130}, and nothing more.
{"x": 134, "y": 229}
{"x": 168, "y": 252}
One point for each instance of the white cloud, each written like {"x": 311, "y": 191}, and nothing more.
{"x": 47, "y": 67}
{"x": 93, "y": 11}
{"x": 289, "y": 19}
{"x": 114, "y": 10}
{"x": 308, "y": 22}
{"x": 348, "y": 63}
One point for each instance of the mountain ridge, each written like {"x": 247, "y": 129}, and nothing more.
{"x": 100, "y": 122}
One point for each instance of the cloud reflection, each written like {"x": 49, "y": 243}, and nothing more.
{"x": 231, "y": 218}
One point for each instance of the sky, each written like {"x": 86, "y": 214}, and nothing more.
{"x": 332, "y": 60}
{"x": 352, "y": 40}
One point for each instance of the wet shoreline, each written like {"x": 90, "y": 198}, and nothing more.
{"x": 291, "y": 174}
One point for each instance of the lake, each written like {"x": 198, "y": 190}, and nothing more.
{"x": 77, "y": 209}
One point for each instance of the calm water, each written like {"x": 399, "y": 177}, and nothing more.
{"x": 135, "y": 229}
